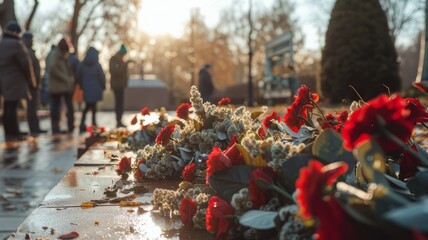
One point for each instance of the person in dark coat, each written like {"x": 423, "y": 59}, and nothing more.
{"x": 92, "y": 81}
{"x": 74, "y": 62}
{"x": 32, "y": 103}
{"x": 44, "y": 92}
{"x": 16, "y": 78}
{"x": 206, "y": 87}
{"x": 119, "y": 81}
{"x": 61, "y": 86}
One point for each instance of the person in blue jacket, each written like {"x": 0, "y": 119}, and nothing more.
{"x": 92, "y": 80}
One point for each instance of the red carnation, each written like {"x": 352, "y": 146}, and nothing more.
{"x": 234, "y": 155}
{"x": 258, "y": 196}
{"x": 363, "y": 124}
{"x": 134, "y": 120}
{"x": 145, "y": 111}
{"x": 183, "y": 111}
{"x": 409, "y": 164}
{"x": 418, "y": 112}
{"x": 217, "y": 160}
{"x": 165, "y": 134}
{"x": 268, "y": 119}
{"x": 217, "y": 215}
{"x": 189, "y": 172}
{"x": 314, "y": 202}
{"x": 187, "y": 209}
{"x": 224, "y": 101}
{"x": 298, "y": 111}
{"x": 125, "y": 164}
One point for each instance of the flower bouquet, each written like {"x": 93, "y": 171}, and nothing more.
{"x": 345, "y": 175}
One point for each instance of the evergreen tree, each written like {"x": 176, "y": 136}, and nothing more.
{"x": 359, "y": 51}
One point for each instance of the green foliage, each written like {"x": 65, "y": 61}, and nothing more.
{"x": 359, "y": 51}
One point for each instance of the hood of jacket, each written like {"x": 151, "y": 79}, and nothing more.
{"x": 91, "y": 56}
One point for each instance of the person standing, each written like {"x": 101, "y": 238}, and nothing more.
{"x": 32, "y": 103}
{"x": 16, "y": 78}
{"x": 206, "y": 87}
{"x": 61, "y": 86}
{"x": 119, "y": 81}
{"x": 44, "y": 92}
{"x": 92, "y": 81}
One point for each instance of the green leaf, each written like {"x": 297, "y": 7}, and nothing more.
{"x": 229, "y": 181}
{"x": 411, "y": 216}
{"x": 290, "y": 170}
{"x": 186, "y": 154}
{"x": 372, "y": 160}
{"x": 221, "y": 135}
{"x": 419, "y": 183}
{"x": 257, "y": 219}
{"x": 328, "y": 146}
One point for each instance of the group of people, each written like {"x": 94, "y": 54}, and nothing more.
{"x": 21, "y": 78}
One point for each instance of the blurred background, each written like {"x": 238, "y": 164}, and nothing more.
{"x": 170, "y": 40}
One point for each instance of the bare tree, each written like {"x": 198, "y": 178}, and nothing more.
{"x": 401, "y": 14}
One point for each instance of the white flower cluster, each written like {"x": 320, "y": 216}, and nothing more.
{"x": 205, "y": 140}
{"x": 199, "y": 218}
{"x": 196, "y": 99}
{"x": 241, "y": 201}
{"x": 166, "y": 201}
{"x": 275, "y": 152}
{"x": 293, "y": 229}
{"x": 159, "y": 165}
{"x": 281, "y": 151}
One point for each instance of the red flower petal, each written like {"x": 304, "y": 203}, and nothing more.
{"x": 189, "y": 172}
{"x": 268, "y": 119}
{"x": 217, "y": 160}
{"x": 216, "y": 216}
{"x": 183, "y": 110}
{"x": 224, "y": 101}
{"x": 187, "y": 210}
{"x": 165, "y": 134}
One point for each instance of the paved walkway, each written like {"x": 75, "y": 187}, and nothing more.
{"x": 30, "y": 169}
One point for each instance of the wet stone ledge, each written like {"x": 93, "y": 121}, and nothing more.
{"x": 60, "y": 212}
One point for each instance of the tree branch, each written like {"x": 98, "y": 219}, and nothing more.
{"x": 88, "y": 17}
{"x": 30, "y": 18}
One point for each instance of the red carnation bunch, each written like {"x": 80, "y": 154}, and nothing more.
{"x": 298, "y": 111}
{"x": 125, "y": 164}
{"x": 380, "y": 114}
{"x": 224, "y": 101}
{"x": 268, "y": 119}
{"x": 183, "y": 111}
{"x": 217, "y": 215}
{"x": 187, "y": 210}
{"x": 189, "y": 172}
{"x": 145, "y": 111}
{"x": 165, "y": 135}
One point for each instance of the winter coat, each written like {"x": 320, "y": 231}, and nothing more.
{"x": 206, "y": 87}
{"x": 61, "y": 78}
{"x": 74, "y": 63}
{"x": 15, "y": 71}
{"x": 118, "y": 72}
{"x": 91, "y": 78}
